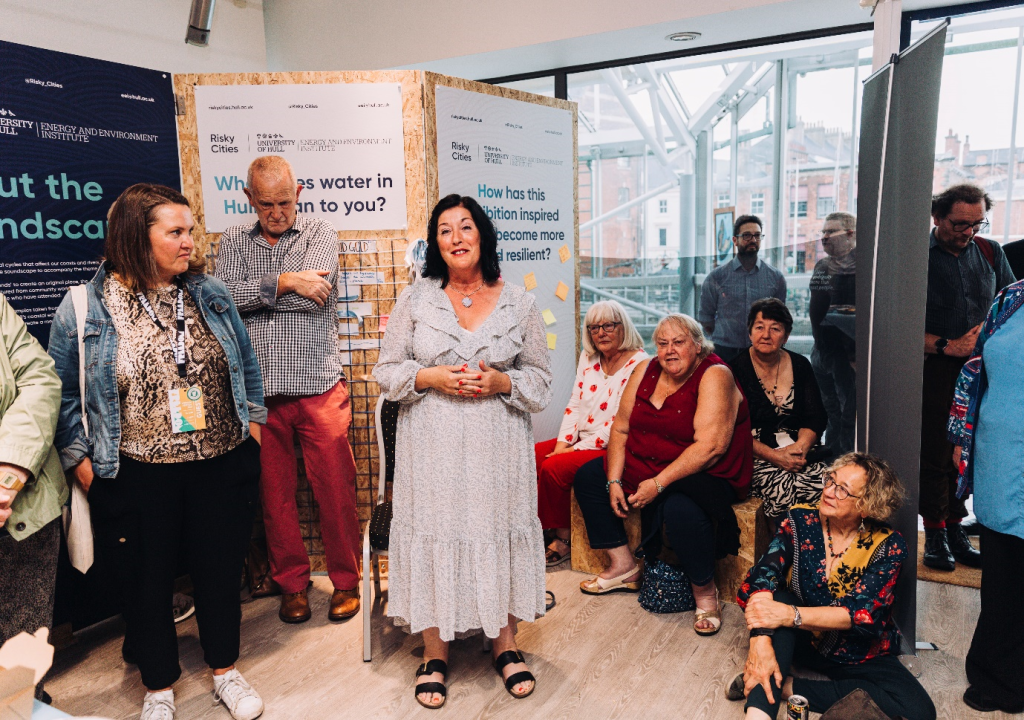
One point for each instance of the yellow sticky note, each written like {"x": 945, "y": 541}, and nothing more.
{"x": 549, "y": 317}
{"x": 562, "y": 291}
{"x": 564, "y": 253}
{"x": 552, "y": 339}
{"x": 530, "y": 281}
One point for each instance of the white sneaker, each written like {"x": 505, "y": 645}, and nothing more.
{"x": 238, "y": 697}
{"x": 158, "y": 706}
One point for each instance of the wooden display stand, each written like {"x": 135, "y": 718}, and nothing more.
{"x": 421, "y": 186}
{"x": 730, "y": 571}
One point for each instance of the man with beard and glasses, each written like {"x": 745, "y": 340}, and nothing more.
{"x": 730, "y": 289}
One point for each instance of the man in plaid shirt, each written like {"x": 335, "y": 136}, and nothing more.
{"x": 282, "y": 272}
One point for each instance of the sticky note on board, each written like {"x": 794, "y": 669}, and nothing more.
{"x": 562, "y": 291}
{"x": 552, "y": 339}
{"x": 530, "y": 281}
{"x": 346, "y": 358}
{"x": 549, "y": 317}
{"x": 383, "y": 322}
{"x": 564, "y": 253}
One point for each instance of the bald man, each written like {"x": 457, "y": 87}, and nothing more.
{"x": 282, "y": 271}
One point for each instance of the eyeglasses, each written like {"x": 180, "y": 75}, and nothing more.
{"x": 826, "y": 234}
{"x": 841, "y": 492}
{"x": 975, "y": 228}
{"x": 747, "y": 237}
{"x": 608, "y": 327}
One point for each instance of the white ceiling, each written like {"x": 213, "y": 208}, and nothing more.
{"x": 765, "y": 21}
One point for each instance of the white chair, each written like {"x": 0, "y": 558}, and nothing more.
{"x": 385, "y": 421}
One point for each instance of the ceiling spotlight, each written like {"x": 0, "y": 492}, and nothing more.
{"x": 683, "y": 36}
{"x": 199, "y": 22}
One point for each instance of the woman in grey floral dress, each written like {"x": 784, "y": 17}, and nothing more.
{"x": 466, "y": 355}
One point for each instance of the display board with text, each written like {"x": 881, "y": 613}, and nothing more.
{"x": 344, "y": 141}
{"x": 74, "y": 133}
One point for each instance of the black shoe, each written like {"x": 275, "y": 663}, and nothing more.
{"x": 973, "y": 527}
{"x": 974, "y": 699}
{"x": 960, "y": 546}
{"x": 126, "y": 653}
{"x": 936, "y": 550}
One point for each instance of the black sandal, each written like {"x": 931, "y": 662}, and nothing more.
{"x": 514, "y": 656}
{"x": 428, "y": 668}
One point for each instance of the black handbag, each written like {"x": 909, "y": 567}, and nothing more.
{"x": 666, "y": 589}
{"x": 380, "y": 526}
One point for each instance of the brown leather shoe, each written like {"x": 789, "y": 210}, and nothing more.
{"x": 267, "y": 588}
{"x": 295, "y": 607}
{"x": 344, "y": 604}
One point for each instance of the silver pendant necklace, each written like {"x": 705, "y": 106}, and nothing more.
{"x": 466, "y": 302}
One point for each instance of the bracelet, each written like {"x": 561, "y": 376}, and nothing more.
{"x": 608, "y": 485}
{"x": 762, "y": 632}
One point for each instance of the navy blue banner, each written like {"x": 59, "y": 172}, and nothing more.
{"x": 74, "y": 133}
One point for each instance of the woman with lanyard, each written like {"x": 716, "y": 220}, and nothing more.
{"x": 167, "y": 447}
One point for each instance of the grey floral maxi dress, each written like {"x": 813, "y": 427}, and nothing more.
{"x": 466, "y": 547}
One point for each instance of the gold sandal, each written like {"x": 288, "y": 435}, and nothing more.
{"x": 712, "y": 616}
{"x": 599, "y": 585}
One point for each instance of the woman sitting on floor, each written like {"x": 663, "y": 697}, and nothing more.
{"x": 612, "y": 350}
{"x": 822, "y": 597}
{"x": 680, "y": 451}
{"x": 786, "y": 412}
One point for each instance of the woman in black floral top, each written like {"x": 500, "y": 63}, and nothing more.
{"x": 822, "y": 597}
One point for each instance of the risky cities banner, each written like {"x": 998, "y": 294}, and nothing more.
{"x": 344, "y": 142}
{"x": 516, "y": 159}
{"x": 74, "y": 133}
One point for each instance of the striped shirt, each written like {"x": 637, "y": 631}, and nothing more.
{"x": 296, "y": 340}
{"x": 961, "y": 287}
{"x": 727, "y": 295}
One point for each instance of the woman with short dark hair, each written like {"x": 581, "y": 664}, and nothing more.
{"x": 786, "y": 412}
{"x": 167, "y": 445}
{"x": 466, "y": 356}
{"x": 822, "y": 598}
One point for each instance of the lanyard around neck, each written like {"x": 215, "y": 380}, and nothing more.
{"x": 178, "y": 346}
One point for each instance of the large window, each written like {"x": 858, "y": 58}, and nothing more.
{"x": 981, "y": 128}
{"x": 767, "y": 131}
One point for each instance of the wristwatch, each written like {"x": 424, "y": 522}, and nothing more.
{"x": 940, "y": 346}
{"x": 10, "y": 481}
{"x": 797, "y": 620}
{"x": 661, "y": 488}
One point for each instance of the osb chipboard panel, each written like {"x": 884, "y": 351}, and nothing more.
{"x": 432, "y": 80}
{"x": 388, "y": 257}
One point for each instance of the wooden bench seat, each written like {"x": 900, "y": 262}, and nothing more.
{"x": 729, "y": 571}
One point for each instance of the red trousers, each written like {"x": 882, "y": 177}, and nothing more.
{"x": 554, "y": 481}
{"x": 321, "y": 423}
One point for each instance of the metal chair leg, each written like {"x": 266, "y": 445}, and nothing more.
{"x": 367, "y": 598}
{"x": 376, "y": 574}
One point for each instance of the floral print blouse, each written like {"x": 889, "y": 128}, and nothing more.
{"x": 796, "y": 557}
{"x": 594, "y": 400}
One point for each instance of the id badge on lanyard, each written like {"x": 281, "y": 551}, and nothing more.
{"x": 188, "y": 413}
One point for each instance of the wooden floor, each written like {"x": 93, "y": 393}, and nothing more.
{"x": 594, "y": 657}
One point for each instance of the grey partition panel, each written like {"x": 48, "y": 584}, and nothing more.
{"x": 897, "y": 156}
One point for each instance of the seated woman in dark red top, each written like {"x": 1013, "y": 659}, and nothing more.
{"x": 680, "y": 449}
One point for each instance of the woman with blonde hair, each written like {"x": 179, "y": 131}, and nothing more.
{"x": 612, "y": 350}
{"x": 822, "y": 598}
{"x": 680, "y": 450}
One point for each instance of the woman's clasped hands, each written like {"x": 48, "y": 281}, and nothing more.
{"x": 461, "y": 380}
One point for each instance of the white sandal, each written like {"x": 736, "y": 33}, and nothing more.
{"x": 600, "y": 585}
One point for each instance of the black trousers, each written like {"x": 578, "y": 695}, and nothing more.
{"x": 890, "y": 685}
{"x": 996, "y": 657}
{"x": 148, "y": 516}
{"x": 938, "y": 500}
{"x": 689, "y": 529}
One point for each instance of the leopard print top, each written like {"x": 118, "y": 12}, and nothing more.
{"x": 146, "y": 373}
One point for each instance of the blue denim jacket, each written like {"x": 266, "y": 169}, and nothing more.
{"x": 214, "y": 302}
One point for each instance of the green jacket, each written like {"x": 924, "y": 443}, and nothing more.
{"x": 29, "y": 404}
